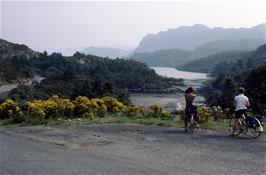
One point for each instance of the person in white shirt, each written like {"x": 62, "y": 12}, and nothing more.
{"x": 241, "y": 104}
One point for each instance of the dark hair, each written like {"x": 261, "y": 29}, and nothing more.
{"x": 189, "y": 90}
{"x": 241, "y": 90}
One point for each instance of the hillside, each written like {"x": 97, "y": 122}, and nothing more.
{"x": 9, "y": 50}
{"x": 164, "y": 58}
{"x": 182, "y": 59}
{"x": 14, "y": 62}
{"x": 82, "y": 74}
{"x": 248, "y": 72}
{"x": 106, "y": 52}
{"x": 219, "y": 46}
{"x": 191, "y": 37}
{"x": 252, "y": 58}
{"x": 208, "y": 64}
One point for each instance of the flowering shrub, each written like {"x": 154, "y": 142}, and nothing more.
{"x": 135, "y": 111}
{"x": 216, "y": 112}
{"x": 85, "y": 107}
{"x": 10, "y": 108}
{"x": 158, "y": 111}
{"x": 156, "y": 108}
{"x": 38, "y": 108}
{"x": 203, "y": 113}
{"x": 227, "y": 112}
{"x": 113, "y": 105}
{"x": 101, "y": 107}
{"x": 81, "y": 106}
{"x": 64, "y": 106}
{"x": 165, "y": 114}
{"x": 52, "y": 107}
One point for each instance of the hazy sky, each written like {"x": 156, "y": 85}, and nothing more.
{"x": 64, "y": 24}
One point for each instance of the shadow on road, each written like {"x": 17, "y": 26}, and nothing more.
{"x": 174, "y": 132}
{"x": 165, "y": 132}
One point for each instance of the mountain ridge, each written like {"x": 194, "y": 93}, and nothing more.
{"x": 106, "y": 52}
{"x": 190, "y": 37}
{"x": 177, "y": 57}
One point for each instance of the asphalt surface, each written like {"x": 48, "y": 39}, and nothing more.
{"x": 127, "y": 149}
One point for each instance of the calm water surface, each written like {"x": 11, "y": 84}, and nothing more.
{"x": 9, "y": 87}
{"x": 172, "y": 100}
{"x": 174, "y": 73}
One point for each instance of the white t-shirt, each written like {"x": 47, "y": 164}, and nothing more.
{"x": 241, "y": 101}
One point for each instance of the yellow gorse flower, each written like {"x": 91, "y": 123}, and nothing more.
{"x": 81, "y": 106}
{"x": 9, "y": 108}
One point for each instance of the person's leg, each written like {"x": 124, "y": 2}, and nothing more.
{"x": 236, "y": 123}
{"x": 185, "y": 122}
{"x": 234, "y": 126}
{"x": 185, "y": 118}
{"x": 243, "y": 117}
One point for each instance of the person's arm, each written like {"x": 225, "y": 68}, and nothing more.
{"x": 235, "y": 102}
{"x": 247, "y": 103}
{"x": 193, "y": 96}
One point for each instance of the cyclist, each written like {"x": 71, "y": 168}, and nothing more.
{"x": 241, "y": 104}
{"x": 190, "y": 96}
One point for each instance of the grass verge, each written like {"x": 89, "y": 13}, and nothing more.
{"x": 219, "y": 125}
{"x": 171, "y": 122}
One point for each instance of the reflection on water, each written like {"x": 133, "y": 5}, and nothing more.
{"x": 172, "y": 101}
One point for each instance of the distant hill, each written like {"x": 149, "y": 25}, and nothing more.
{"x": 252, "y": 59}
{"x": 207, "y": 64}
{"x": 164, "y": 58}
{"x": 222, "y": 62}
{"x": 261, "y": 51}
{"x": 219, "y": 46}
{"x": 106, "y": 52}
{"x": 191, "y": 37}
{"x": 67, "y": 51}
{"x": 178, "y": 58}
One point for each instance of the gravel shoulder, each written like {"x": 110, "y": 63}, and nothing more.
{"x": 127, "y": 149}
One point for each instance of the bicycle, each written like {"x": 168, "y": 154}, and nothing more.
{"x": 191, "y": 117}
{"x": 251, "y": 125}
{"x": 193, "y": 124}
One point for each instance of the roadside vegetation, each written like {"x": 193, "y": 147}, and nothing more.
{"x": 82, "y": 110}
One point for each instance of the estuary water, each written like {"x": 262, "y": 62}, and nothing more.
{"x": 171, "y": 101}
{"x": 9, "y": 87}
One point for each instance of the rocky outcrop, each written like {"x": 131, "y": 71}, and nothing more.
{"x": 9, "y": 50}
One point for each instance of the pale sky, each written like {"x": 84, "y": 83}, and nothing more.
{"x": 51, "y": 25}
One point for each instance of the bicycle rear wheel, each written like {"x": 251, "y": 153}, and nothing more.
{"x": 254, "y": 132}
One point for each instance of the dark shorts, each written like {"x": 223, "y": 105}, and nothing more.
{"x": 191, "y": 109}
{"x": 239, "y": 113}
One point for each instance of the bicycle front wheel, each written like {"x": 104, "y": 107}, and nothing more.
{"x": 254, "y": 132}
{"x": 191, "y": 128}
{"x": 239, "y": 131}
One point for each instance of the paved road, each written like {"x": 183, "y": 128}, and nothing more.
{"x": 127, "y": 149}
